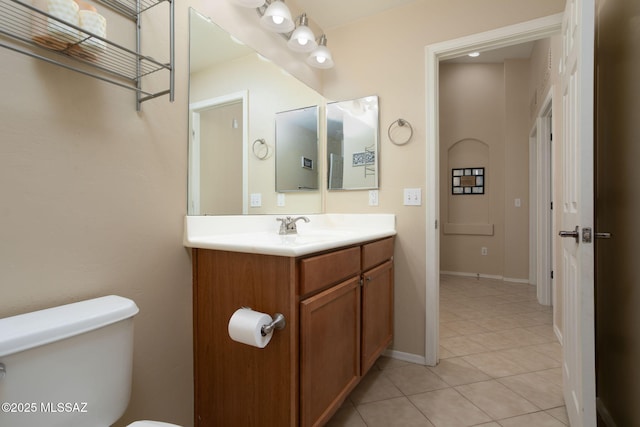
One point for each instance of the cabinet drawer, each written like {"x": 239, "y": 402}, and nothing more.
{"x": 324, "y": 270}
{"x": 377, "y": 252}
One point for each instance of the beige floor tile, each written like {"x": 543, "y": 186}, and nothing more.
{"x": 497, "y": 323}
{"x": 538, "y": 419}
{"x": 496, "y": 364}
{"x": 544, "y": 331}
{"x": 494, "y": 340}
{"x": 522, "y": 337}
{"x": 531, "y": 360}
{"x": 445, "y": 354}
{"x": 465, "y": 327}
{"x": 551, "y": 349}
{"x": 385, "y": 362}
{"x": 414, "y": 379}
{"x": 496, "y": 400}
{"x": 461, "y": 346}
{"x": 446, "y": 331}
{"x": 560, "y": 414}
{"x": 536, "y": 388}
{"x": 374, "y": 386}
{"x": 456, "y": 371}
{"x": 347, "y": 416}
{"x": 398, "y": 412}
{"x": 448, "y": 408}
{"x": 491, "y": 424}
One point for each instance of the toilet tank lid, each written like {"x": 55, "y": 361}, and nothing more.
{"x": 25, "y": 331}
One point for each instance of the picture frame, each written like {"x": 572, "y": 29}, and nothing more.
{"x": 467, "y": 181}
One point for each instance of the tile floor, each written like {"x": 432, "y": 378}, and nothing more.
{"x": 499, "y": 366}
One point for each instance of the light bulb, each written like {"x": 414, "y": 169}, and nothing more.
{"x": 277, "y": 19}
{"x": 302, "y": 41}
{"x": 321, "y": 59}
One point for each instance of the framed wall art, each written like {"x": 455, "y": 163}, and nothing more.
{"x": 467, "y": 181}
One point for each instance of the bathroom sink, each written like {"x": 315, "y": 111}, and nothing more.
{"x": 259, "y": 234}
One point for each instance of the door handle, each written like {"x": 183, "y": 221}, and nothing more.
{"x": 575, "y": 234}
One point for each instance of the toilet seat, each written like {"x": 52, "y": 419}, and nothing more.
{"x": 146, "y": 423}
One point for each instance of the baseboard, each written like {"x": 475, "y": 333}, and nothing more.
{"x": 486, "y": 276}
{"x": 523, "y": 281}
{"x": 406, "y": 357}
{"x": 558, "y": 333}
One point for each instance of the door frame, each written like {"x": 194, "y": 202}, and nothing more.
{"x": 541, "y": 219}
{"x": 195, "y": 109}
{"x": 434, "y": 53}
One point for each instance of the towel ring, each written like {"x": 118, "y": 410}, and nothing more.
{"x": 262, "y": 142}
{"x": 400, "y": 124}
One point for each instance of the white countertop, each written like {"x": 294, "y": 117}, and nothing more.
{"x": 259, "y": 233}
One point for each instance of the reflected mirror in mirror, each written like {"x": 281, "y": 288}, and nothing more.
{"x": 234, "y": 98}
{"x": 297, "y": 150}
{"x": 352, "y": 144}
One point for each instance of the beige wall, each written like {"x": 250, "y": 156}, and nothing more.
{"x": 94, "y": 194}
{"x": 472, "y": 134}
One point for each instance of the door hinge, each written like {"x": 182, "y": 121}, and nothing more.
{"x": 551, "y": 205}
{"x": 436, "y": 224}
{"x": 552, "y": 274}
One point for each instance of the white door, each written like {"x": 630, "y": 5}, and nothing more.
{"x": 576, "y": 256}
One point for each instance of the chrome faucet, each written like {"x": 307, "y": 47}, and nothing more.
{"x": 288, "y": 224}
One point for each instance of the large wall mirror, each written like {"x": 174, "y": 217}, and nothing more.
{"x": 297, "y": 150}
{"x": 352, "y": 144}
{"x": 235, "y": 96}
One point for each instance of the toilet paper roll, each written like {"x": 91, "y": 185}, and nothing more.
{"x": 245, "y": 326}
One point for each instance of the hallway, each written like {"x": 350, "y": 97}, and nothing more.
{"x": 499, "y": 366}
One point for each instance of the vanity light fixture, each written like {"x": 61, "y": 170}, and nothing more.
{"x": 321, "y": 56}
{"x": 277, "y": 17}
{"x": 302, "y": 38}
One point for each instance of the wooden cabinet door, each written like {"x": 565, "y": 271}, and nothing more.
{"x": 329, "y": 350}
{"x": 377, "y": 313}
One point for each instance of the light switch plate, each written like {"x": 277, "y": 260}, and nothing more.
{"x": 281, "y": 200}
{"x": 373, "y": 197}
{"x": 412, "y": 196}
{"x": 255, "y": 200}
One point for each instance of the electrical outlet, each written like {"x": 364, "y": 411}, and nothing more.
{"x": 255, "y": 200}
{"x": 412, "y": 197}
{"x": 484, "y": 250}
{"x": 518, "y": 203}
{"x": 281, "y": 200}
{"x": 373, "y": 197}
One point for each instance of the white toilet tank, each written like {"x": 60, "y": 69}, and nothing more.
{"x": 67, "y": 366}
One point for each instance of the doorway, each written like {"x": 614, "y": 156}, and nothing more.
{"x": 218, "y": 138}
{"x": 515, "y": 34}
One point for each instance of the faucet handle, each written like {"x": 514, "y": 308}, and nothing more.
{"x": 284, "y": 222}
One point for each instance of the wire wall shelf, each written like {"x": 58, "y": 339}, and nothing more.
{"x": 31, "y": 31}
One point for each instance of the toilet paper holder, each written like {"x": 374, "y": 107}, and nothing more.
{"x": 278, "y": 323}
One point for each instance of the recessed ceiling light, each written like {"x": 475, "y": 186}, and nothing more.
{"x": 474, "y": 54}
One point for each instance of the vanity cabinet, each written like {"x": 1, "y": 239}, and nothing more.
{"x": 338, "y": 307}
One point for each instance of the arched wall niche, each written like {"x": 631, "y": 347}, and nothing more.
{"x": 468, "y": 213}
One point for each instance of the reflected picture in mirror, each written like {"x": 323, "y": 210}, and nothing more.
{"x": 352, "y": 144}
{"x": 234, "y": 98}
{"x": 297, "y": 150}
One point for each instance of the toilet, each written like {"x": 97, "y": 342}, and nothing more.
{"x": 68, "y": 366}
